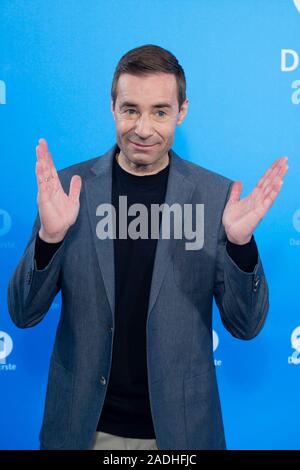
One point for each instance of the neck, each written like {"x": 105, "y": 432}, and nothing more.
{"x": 142, "y": 170}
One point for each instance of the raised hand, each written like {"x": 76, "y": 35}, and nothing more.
{"x": 57, "y": 210}
{"x": 241, "y": 216}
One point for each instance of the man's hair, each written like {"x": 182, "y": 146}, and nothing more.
{"x": 146, "y": 60}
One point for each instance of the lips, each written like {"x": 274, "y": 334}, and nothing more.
{"x": 142, "y": 146}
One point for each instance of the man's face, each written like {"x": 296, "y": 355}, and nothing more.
{"x": 146, "y": 113}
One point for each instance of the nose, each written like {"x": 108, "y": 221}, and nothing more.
{"x": 143, "y": 127}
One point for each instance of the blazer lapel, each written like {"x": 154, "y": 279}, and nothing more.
{"x": 98, "y": 191}
{"x": 179, "y": 191}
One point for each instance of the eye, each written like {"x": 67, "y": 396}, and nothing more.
{"x": 130, "y": 111}
{"x": 161, "y": 113}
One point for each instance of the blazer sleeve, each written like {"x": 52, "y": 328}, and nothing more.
{"x": 242, "y": 297}
{"x": 30, "y": 290}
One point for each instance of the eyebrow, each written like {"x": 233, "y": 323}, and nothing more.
{"x": 158, "y": 105}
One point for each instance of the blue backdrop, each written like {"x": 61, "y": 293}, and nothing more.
{"x": 241, "y": 60}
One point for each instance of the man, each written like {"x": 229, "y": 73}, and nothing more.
{"x": 132, "y": 364}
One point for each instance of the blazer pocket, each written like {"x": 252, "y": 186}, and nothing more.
{"x": 58, "y": 406}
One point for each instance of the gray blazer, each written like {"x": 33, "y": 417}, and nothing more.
{"x": 183, "y": 389}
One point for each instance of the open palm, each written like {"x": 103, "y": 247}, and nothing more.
{"x": 57, "y": 210}
{"x": 241, "y": 216}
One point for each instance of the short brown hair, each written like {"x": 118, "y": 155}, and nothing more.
{"x": 146, "y": 60}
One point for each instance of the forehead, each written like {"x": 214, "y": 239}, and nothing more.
{"x": 147, "y": 89}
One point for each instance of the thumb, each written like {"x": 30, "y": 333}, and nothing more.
{"x": 75, "y": 188}
{"x": 236, "y": 190}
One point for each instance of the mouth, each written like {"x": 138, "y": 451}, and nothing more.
{"x": 140, "y": 146}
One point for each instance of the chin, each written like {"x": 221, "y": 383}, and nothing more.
{"x": 140, "y": 158}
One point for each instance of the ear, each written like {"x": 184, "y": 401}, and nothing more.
{"x": 112, "y": 109}
{"x": 183, "y": 111}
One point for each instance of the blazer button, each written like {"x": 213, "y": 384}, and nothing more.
{"x": 110, "y": 329}
{"x": 102, "y": 380}
{"x": 256, "y": 283}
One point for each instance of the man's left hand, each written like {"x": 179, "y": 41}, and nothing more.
{"x": 241, "y": 216}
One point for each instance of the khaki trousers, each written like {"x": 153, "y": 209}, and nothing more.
{"x": 106, "y": 441}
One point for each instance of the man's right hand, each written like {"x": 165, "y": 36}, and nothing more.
{"x": 57, "y": 210}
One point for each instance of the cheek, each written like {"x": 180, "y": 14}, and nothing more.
{"x": 123, "y": 127}
{"x": 167, "y": 133}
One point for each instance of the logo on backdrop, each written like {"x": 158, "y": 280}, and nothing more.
{"x": 6, "y": 347}
{"x": 295, "y": 343}
{"x": 296, "y": 225}
{"x": 2, "y": 92}
{"x": 5, "y": 226}
{"x": 290, "y": 63}
{"x": 296, "y": 220}
{"x": 216, "y": 341}
{"x": 5, "y": 222}
{"x": 297, "y": 4}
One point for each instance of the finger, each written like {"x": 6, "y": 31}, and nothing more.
{"x": 39, "y": 153}
{"x": 283, "y": 171}
{"x": 258, "y": 191}
{"x": 49, "y": 170}
{"x": 46, "y": 153}
{"x": 270, "y": 198}
{"x": 44, "y": 150}
{"x": 46, "y": 161}
{"x": 274, "y": 173}
{"x": 43, "y": 144}
{"x": 282, "y": 163}
{"x": 264, "y": 176}
{"x": 42, "y": 184}
{"x": 55, "y": 181}
{"x": 44, "y": 172}
{"x": 38, "y": 168}
{"x": 277, "y": 179}
{"x": 51, "y": 163}
{"x": 236, "y": 191}
{"x": 267, "y": 173}
{"x": 38, "y": 173}
{"x": 75, "y": 188}
{"x": 272, "y": 170}
{"x": 274, "y": 187}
